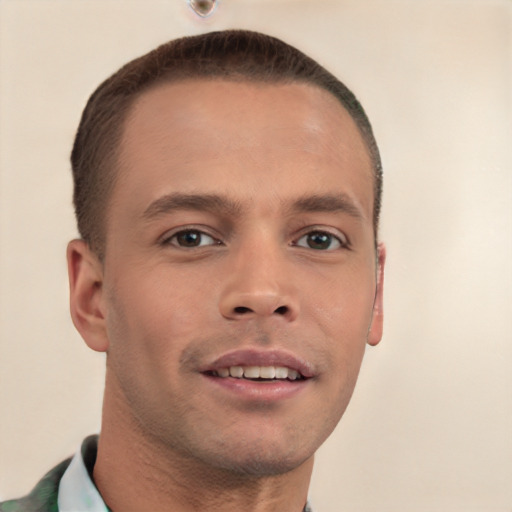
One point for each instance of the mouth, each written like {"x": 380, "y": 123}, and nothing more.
{"x": 258, "y": 373}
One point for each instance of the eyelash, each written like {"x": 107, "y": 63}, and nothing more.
{"x": 342, "y": 242}
{"x": 168, "y": 240}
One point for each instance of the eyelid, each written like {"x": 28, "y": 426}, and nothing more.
{"x": 335, "y": 233}
{"x": 166, "y": 238}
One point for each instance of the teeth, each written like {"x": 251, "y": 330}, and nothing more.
{"x": 236, "y": 371}
{"x": 281, "y": 372}
{"x": 259, "y": 372}
{"x": 267, "y": 372}
{"x": 223, "y": 372}
{"x": 252, "y": 372}
{"x": 292, "y": 374}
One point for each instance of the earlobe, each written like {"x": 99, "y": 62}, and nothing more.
{"x": 376, "y": 328}
{"x": 85, "y": 273}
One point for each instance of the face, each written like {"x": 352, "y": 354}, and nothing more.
{"x": 240, "y": 282}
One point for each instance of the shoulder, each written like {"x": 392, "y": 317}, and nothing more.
{"x": 43, "y": 497}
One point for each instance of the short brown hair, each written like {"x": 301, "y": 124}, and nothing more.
{"x": 232, "y": 55}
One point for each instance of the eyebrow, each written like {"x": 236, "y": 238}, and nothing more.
{"x": 214, "y": 203}
{"x": 199, "y": 202}
{"x": 330, "y": 203}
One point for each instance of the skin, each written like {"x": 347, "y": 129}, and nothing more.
{"x": 271, "y": 272}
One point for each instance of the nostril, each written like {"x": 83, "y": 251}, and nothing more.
{"x": 242, "y": 310}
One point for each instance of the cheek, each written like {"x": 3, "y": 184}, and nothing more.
{"x": 144, "y": 331}
{"x": 151, "y": 320}
{"x": 344, "y": 308}
{"x": 157, "y": 309}
{"x": 343, "y": 313}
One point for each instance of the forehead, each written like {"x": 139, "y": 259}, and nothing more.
{"x": 190, "y": 132}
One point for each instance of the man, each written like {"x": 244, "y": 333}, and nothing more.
{"x": 227, "y": 192}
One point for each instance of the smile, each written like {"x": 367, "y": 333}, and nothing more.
{"x": 263, "y": 373}
{"x": 260, "y": 376}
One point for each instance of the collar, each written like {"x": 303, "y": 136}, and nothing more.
{"x": 77, "y": 492}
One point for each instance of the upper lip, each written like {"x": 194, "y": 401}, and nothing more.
{"x": 253, "y": 357}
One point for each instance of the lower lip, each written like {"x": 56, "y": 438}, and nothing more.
{"x": 266, "y": 391}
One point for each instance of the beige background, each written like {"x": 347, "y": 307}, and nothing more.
{"x": 430, "y": 424}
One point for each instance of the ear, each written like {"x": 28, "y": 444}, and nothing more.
{"x": 85, "y": 273}
{"x": 375, "y": 332}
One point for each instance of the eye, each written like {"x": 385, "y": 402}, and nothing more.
{"x": 320, "y": 241}
{"x": 191, "y": 238}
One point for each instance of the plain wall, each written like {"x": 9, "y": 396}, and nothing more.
{"x": 430, "y": 424}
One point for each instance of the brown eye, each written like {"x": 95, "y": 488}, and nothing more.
{"x": 191, "y": 238}
{"x": 320, "y": 241}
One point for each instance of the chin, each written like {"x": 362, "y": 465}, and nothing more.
{"x": 259, "y": 466}
{"x": 260, "y": 457}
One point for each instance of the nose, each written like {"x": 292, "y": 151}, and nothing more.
{"x": 259, "y": 285}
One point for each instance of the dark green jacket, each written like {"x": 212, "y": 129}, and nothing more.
{"x": 43, "y": 497}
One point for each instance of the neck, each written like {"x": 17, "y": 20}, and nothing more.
{"x": 134, "y": 472}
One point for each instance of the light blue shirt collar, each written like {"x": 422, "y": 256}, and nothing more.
{"x": 77, "y": 492}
